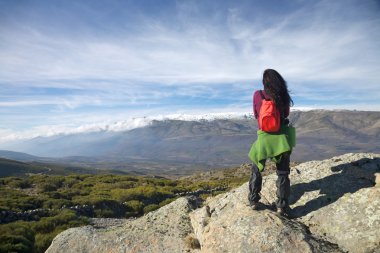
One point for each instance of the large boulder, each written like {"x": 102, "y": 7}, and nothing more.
{"x": 227, "y": 224}
{"x": 164, "y": 230}
{"x": 335, "y": 207}
{"x": 338, "y": 199}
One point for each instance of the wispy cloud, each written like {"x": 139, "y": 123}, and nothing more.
{"x": 312, "y": 43}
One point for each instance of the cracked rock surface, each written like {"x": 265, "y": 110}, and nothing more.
{"x": 335, "y": 208}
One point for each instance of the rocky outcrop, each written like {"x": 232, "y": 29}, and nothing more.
{"x": 335, "y": 208}
{"x": 164, "y": 230}
{"x": 334, "y": 202}
{"x": 227, "y": 224}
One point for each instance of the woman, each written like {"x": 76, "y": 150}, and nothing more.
{"x": 277, "y": 145}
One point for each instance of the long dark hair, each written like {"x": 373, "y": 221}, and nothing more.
{"x": 276, "y": 88}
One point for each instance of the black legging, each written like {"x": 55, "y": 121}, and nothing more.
{"x": 282, "y": 183}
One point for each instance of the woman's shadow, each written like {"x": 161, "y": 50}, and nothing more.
{"x": 347, "y": 178}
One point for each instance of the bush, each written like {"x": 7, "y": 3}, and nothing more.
{"x": 166, "y": 201}
{"x": 56, "y": 203}
{"x": 124, "y": 185}
{"x": 43, "y": 241}
{"x": 104, "y": 213}
{"x": 47, "y": 228}
{"x": 16, "y": 237}
{"x": 110, "y": 209}
{"x": 19, "y": 183}
{"x": 134, "y": 206}
{"x": 15, "y": 200}
{"x": 69, "y": 182}
{"x": 48, "y": 224}
{"x": 150, "y": 208}
{"x": 47, "y": 187}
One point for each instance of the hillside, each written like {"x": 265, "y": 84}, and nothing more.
{"x": 35, "y": 208}
{"x": 15, "y": 168}
{"x": 177, "y": 147}
{"x": 21, "y": 169}
{"x": 324, "y": 217}
{"x": 18, "y": 156}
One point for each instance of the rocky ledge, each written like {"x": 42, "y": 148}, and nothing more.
{"x": 335, "y": 208}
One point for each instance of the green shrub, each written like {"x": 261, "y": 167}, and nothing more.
{"x": 48, "y": 227}
{"x": 69, "y": 182}
{"x": 16, "y": 237}
{"x": 15, "y": 200}
{"x": 134, "y": 206}
{"x": 104, "y": 213}
{"x": 56, "y": 203}
{"x": 150, "y": 208}
{"x": 47, "y": 187}
{"x": 166, "y": 201}
{"x": 19, "y": 183}
{"x": 124, "y": 185}
{"x": 43, "y": 241}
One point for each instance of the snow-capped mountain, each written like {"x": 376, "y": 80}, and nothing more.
{"x": 112, "y": 126}
{"x": 119, "y": 126}
{"x": 209, "y": 140}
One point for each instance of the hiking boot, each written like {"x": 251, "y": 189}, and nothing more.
{"x": 283, "y": 212}
{"x": 255, "y": 205}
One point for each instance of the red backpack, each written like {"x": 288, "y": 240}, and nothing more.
{"x": 269, "y": 116}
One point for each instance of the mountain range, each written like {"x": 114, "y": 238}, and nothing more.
{"x": 181, "y": 146}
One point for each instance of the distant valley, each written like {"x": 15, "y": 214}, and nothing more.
{"x": 176, "y": 147}
{"x": 10, "y": 167}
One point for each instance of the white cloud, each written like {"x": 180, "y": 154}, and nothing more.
{"x": 304, "y": 46}
{"x": 103, "y": 123}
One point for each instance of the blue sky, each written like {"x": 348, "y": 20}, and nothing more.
{"x": 67, "y": 64}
